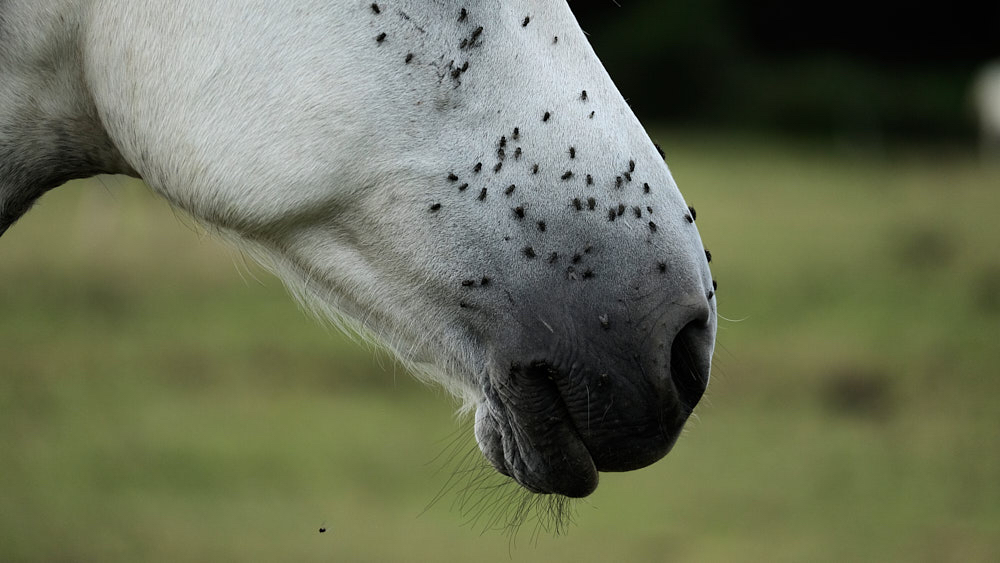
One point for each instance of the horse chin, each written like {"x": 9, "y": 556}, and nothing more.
{"x": 539, "y": 449}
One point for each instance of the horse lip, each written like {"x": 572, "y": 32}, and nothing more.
{"x": 548, "y": 448}
{"x": 539, "y": 446}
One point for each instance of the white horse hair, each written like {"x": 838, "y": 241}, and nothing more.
{"x": 461, "y": 180}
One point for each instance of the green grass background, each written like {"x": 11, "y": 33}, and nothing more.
{"x": 162, "y": 400}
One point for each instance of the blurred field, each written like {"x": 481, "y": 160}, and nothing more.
{"x": 159, "y": 403}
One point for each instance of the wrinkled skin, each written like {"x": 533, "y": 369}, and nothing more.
{"x": 461, "y": 181}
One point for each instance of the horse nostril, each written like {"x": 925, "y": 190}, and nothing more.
{"x": 690, "y": 362}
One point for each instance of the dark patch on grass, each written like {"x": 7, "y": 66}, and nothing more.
{"x": 925, "y": 248}
{"x": 857, "y": 392}
{"x": 987, "y": 291}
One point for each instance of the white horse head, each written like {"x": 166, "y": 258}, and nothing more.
{"x": 461, "y": 180}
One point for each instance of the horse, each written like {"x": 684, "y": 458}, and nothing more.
{"x": 460, "y": 180}
{"x": 986, "y": 93}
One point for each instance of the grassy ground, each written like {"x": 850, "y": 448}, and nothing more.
{"x": 158, "y": 403}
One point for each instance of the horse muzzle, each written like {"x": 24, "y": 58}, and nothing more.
{"x": 600, "y": 391}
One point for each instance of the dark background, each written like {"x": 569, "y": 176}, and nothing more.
{"x": 869, "y": 70}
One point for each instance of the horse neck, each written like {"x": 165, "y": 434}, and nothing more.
{"x": 50, "y": 130}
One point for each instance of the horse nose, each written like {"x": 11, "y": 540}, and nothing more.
{"x": 691, "y": 353}
{"x": 631, "y": 380}
{"x": 644, "y": 400}
{"x": 592, "y": 385}
{"x": 646, "y": 396}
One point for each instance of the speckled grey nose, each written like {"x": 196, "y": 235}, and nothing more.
{"x": 594, "y": 384}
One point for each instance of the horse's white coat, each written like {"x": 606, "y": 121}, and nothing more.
{"x": 333, "y": 139}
